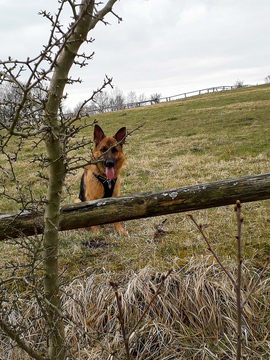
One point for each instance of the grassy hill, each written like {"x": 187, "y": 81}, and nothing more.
{"x": 195, "y": 140}
{"x": 200, "y": 139}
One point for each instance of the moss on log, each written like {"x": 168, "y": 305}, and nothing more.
{"x": 182, "y": 199}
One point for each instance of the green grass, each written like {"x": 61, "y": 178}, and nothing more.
{"x": 200, "y": 139}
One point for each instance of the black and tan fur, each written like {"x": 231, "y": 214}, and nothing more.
{"x": 103, "y": 179}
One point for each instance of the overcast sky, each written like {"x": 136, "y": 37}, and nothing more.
{"x": 161, "y": 46}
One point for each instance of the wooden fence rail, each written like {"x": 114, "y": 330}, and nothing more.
{"x": 182, "y": 199}
{"x": 123, "y": 106}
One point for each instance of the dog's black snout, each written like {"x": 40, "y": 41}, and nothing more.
{"x": 109, "y": 163}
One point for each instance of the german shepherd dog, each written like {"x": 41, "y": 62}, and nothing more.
{"x": 102, "y": 180}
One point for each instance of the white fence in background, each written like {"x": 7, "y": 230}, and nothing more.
{"x": 184, "y": 95}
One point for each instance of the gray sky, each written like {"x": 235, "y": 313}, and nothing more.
{"x": 161, "y": 46}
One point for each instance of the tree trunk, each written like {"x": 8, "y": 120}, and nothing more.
{"x": 51, "y": 225}
{"x": 57, "y": 172}
{"x": 182, "y": 199}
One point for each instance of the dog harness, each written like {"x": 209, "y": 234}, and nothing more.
{"x": 108, "y": 185}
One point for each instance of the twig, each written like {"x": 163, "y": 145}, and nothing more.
{"x": 237, "y": 209}
{"x": 159, "y": 229}
{"x": 237, "y": 283}
{"x": 21, "y": 343}
{"x": 199, "y": 227}
{"x": 100, "y": 158}
{"x": 121, "y": 316}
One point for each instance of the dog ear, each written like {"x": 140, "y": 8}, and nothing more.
{"x": 121, "y": 135}
{"x": 98, "y": 134}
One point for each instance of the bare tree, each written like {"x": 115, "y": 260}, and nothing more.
{"x": 36, "y": 112}
{"x": 101, "y": 101}
{"x": 239, "y": 84}
{"x": 117, "y": 99}
{"x": 142, "y": 98}
{"x": 11, "y": 95}
{"x": 131, "y": 97}
{"x": 267, "y": 79}
{"x": 155, "y": 98}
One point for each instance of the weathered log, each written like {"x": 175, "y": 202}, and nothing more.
{"x": 182, "y": 199}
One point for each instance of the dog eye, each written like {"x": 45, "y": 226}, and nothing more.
{"x": 114, "y": 150}
{"x": 103, "y": 149}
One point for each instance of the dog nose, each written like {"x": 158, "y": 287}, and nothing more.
{"x": 109, "y": 163}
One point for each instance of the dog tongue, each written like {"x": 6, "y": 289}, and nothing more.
{"x": 109, "y": 172}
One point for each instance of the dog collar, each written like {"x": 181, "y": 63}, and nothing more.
{"x": 108, "y": 185}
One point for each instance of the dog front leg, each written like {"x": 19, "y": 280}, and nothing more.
{"x": 119, "y": 229}
{"x": 95, "y": 229}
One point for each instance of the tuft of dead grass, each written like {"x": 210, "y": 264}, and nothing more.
{"x": 193, "y": 318}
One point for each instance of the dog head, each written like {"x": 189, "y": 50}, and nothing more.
{"x": 110, "y": 151}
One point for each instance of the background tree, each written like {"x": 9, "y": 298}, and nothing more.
{"x": 142, "y": 97}
{"x": 117, "y": 99}
{"x": 267, "y": 79}
{"x": 101, "y": 101}
{"x": 155, "y": 98}
{"x": 131, "y": 97}
{"x": 35, "y": 111}
{"x": 239, "y": 84}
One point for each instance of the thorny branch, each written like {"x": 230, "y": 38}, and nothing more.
{"x": 107, "y": 81}
{"x": 15, "y": 337}
{"x": 50, "y": 55}
{"x": 199, "y": 227}
{"x": 101, "y": 157}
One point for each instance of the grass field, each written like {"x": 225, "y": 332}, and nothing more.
{"x": 196, "y": 140}
{"x": 200, "y": 139}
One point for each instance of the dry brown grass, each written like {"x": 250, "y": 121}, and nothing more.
{"x": 213, "y": 137}
{"x": 193, "y": 318}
